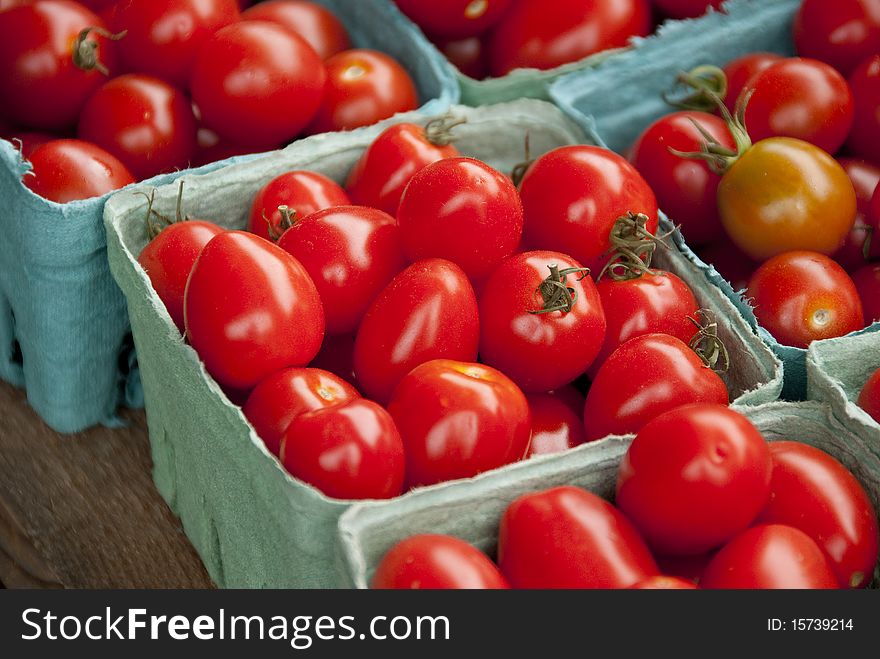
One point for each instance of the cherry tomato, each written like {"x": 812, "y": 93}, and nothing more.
{"x": 841, "y": 34}
{"x": 742, "y": 70}
{"x": 864, "y": 176}
{"x": 566, "y": 537}
{"x": 685, "y": 8}
{"x": 864, "y": 138}
{"x": 801, "y": 297}
{"x": 455, "y": 19}
{"x": 210, "y": 147}
{"x": 337, "y": 356}
{"x": 313, "y": 22}
{"x": 351, "y": 253}
{"x": 693, "y": 478}
{"x": 458, "y": 419}
{"x": 67, "y": 170}
{"x": 555, "y": 426}
{"x": 731, "y": 263}
{"x": 257, "y": 83}
{"x": 869, "y": 396}
{"x": 467, "y": 55}
{"x": 28, "y": 141}
{"x": 283, "y": 396}
{"x": 770, "y": 556}
{"x": 363, "y": 87}
{"x": 383, "y": 171}
{"x": 530, "y": 36}
{"x": 430, "y": 562}
{"x": 347, "y": 451}
{"x": 664, "y": 583}
{"x": 542, "y": 322}
{"x": 251, "y": 309}
{"x": 687, "y": 190}
{"x": 867, "y": 282}
{"x": 44, "y": 77}
{"x": 163, "y": 37}
{"x": 428, "y": 311}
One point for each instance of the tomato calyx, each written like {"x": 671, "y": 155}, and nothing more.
{"x": 154, "y": 228}
{"x": 85, "y": 51}
{"x": 438, "y": 131}
{"x": 519, "y": 170}
{"x": 632, "y": 246}
{"x": 288, "y": 219}
{"x": 705, "y": 83}
{"x": 706, "y": 343}
{"x": 557, "y": 296}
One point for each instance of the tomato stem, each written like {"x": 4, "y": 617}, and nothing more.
{"x": 705, "y": 82}
{"x": 520, "y": 169}
{"x": 153, "y": 228}
{"x": 438, "y": 131}
{"x": 556, "y": 295}
{"x": 85, "y": 50}
{"x": 707, "y": 344}
{"x": 288, "y": 219}
{"x": 866, "y": 246}
{"x": 632, "y": 246}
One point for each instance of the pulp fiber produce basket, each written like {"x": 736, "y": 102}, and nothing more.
{"x": 254, "y": 525}
{"x": 472, "y": 510}
{"x": 63, "y": 321}
{"x": 618, "y": 99}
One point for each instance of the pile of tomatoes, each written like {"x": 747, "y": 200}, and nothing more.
{"x": 701, "y": 498}
{"x": 143, "y": 87}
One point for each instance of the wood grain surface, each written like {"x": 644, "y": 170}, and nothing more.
{"x": 81, "y": 511}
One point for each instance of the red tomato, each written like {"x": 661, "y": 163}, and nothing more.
{"x": 380, "y": 176}
{"x": 430, "y": 562}
{"x": 841, "y": 34}
{"x": 250, "y": 310}
{"x": 98, "y": 5}
{"x": 693, "y": 478}
{"x": 462, "y": 210}
{"x": 27, "y": 141}
{"x": 257, "y": 83}
{"x": 530, "y": 36}
{"x": 555, "y": 426}
{"x": 869, "y": 397}
{"x": 814, "y": 493}
{"x": 689, "y": 568}
{"x": 210, "y": 147}
{"x": 467, "y": 55}
{"x": 770, "y": 556}
{"x": 867, "y": 282}
{"x": 687, "y": 190}
{"x": 143, "y": 121}
{"x": 457, "y": 420}
{"x": 363, "y": 87}
{"x": 313, "y": 22}
{"x": 42, "y": 84}
{"x": 168, "y": 260}
{"x": 455, "y": 19}
{"x": 646, "y": 376}
{"x": 685, "y": 8}
{"x": 351, "y": 253}
{"x": 542, "y": 331}
{"x": 665, "y": 583}
{"x": 337, "y": 356}
{"x": 864, "y": 138}
{"x": 864, "y": 176}
{"x": 347, "y": 451}
{"x": 428, "y": 311}
{"x": 567, "y": 537}
{"x": 284, "y": 395}
{"x": 730, "y": 261}
{"x": 163, "y": 37}
{"x": 572, "y": 197}
{"x": 67, "y": 170}
{"x": 739, "y": 73}
{"x": 801, "y": 297}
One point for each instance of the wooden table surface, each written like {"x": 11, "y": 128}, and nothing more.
{"x": 81, "y": 511}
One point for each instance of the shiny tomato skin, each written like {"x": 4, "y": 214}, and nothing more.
{"x": 168, "y": 260}
{"x": 573, "y": 195}
{"x": 363, "y": 86}
{"x": 693, "y": 478}
{"x": 864, "y": 138}
{"x": 645, "y": 377}
{"x": 462, "y": 210}
{"x": 785, "y": 194}
{"x": 68, "y": 170}
{"x": 841, "y": 34}
{"x": 801, "y": 297}
{"x": 685, "y": 8}
{"x": 664, "y": 583}
{"x": 428, "y": 311}
{"x": 251, "y": 309}
{"x": 555, "y": 426}
{"x": 864, "y": 176}
{"x": 869, "y": 396}
{"x": 467, "y": 55}
{"x": 687, "y": 190}
{"x": 814, "y": 493}
{"x": 280, "y": 398}
{"x": 395, "y": 156}
{"x": 530, "y": 36}
{"x": 539, "y": 351}
{"x": 40, "y": 85}
{"x": 458, "y": 419}
{"x": 347, "y": 451}
{"x": 867, "y": 282}
{"x": 739, "y": 73}
{"x": 433, "y": 561}
{"x": 566, "y": 537}
{"x": 257, "y": 83}
{"x": 770, "y": 556}
{"x": 351, "y": 253}
{"x": 455, "y": 19}
{"x": 312, "y": 21}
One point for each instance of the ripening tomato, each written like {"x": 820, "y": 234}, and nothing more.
{"x": 430, "y": 562}
{"x": 867, "y": 282}
{"x": 347, "y": 451}
{"x": 566, "y": 537}
{"x": 841, "y": 33}
{"x": 48, "y": 65}
{"x": 801, "y": 297}
{"x": 869, "y": 396}
{"x": 395, "y": 156}
{"x": 67, "y": 170}
{"x": 530, "y": 36}
{"x": 664, "y": 583}
{"x": 251, "y": 309}
{"x": 466, "y": 55}
{"x": 363, "y": 87}
{"x": 864, "y": 176}
{"x": 730, "y": 262}
{"x": 454, "y": 19}
{"x": 864, "y": 138}
{"x": 312, "y": 21}
{"x": 555, "y": 426}
{"x": 257, "y": 83}
{"x": 770, "y": 556}
{"x": 693, "y": 478}
{"x": 283, "y": 396}
{"x": 428, "y": 311}
{"x": 741, "y": 71}
{"x": 458, "y": 419}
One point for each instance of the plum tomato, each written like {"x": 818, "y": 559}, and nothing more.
{"x": 867, "y": 281}
{"x": 312, "y": 21}
{"x": 739, "y": 73}
{"x": 864, "y": 176}
{"x": 555, "y": 426}
{"x": 454, "y": 19}
{"x": 869, "y": 396}
{"x": 841, "y": 33}
{"x": 864, "y": 138}
{"x": 664, "y": 583}
{"x": 67, "y": 170}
